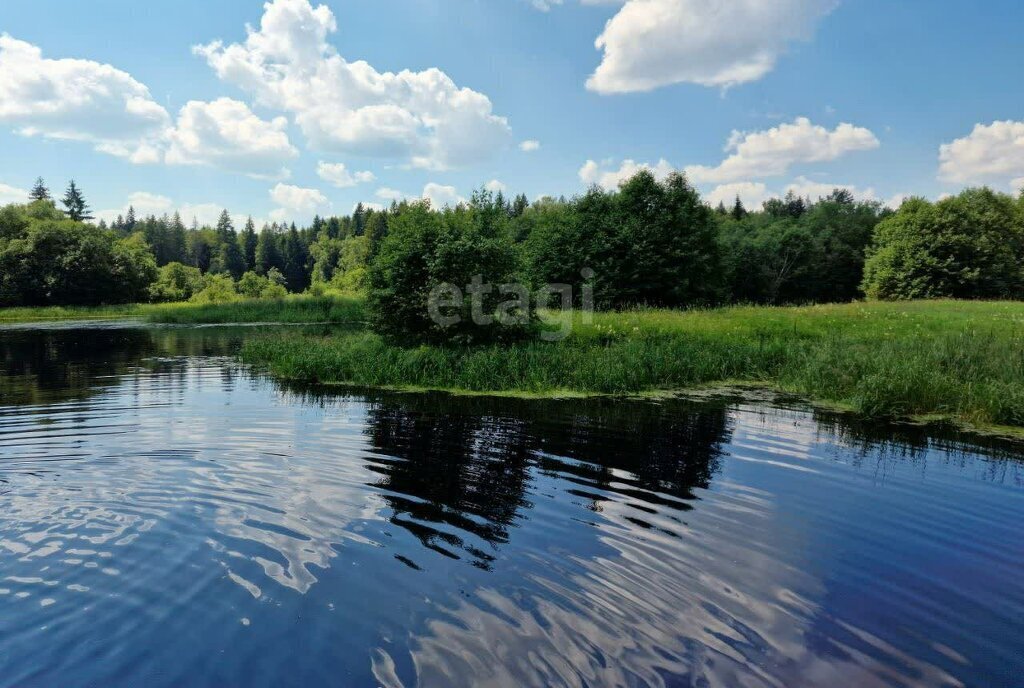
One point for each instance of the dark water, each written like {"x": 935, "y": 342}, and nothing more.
{"x": 168, "y": 518}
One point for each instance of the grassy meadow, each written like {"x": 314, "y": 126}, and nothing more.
{"x": 961, "y": 360}
{"x": 950, "y": 359}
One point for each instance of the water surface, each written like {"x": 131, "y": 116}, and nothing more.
{"x": 171, "y": 518}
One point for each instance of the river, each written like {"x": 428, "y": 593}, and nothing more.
{"x": 169, "y": 517}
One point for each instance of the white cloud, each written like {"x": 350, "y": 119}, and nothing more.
{"x": 653, "y": 43}
{"x": 78, "y": 100}
{"x": 494, "y": 186}
{"x": 990, "y": 154}
{"x": 225, "y": 133}
{"x": 350, "y": 107}
{"x": 806, "y": 188}
{"x": 529, "y": 146}
{"x": 146, "y": 203}
{"x": 771, "y": 153}
{"x": 752, "y": 194}
{"x": 440, "y": 196}
{"x": 389, "y": 194}
{"x": 297, "y": 203}
{"x": 12, "y": 194}
{"x": 896, "y": 200}
{"x": 338, "y": 175}
{"x": 605, "y": 175}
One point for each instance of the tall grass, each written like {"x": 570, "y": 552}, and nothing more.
{"x": 963, "y": 360}
{"x": 293, "y": 309}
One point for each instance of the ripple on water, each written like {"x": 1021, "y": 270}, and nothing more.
{"x": 171, "y": 518}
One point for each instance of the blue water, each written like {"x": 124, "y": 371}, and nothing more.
{"x": 171, "y": 518}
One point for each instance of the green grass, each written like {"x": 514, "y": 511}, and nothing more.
{"x": 293, "y": 309}
{"x": 958, "y": 360}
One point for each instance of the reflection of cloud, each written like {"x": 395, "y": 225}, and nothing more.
{"x": 738, "y": 616}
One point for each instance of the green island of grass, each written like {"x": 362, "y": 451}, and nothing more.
{"x": 956, "y": 360}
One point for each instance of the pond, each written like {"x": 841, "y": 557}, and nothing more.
{"x": 169, "y": 517}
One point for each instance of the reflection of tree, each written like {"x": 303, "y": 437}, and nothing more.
{"x": 465, "y": 463}
{"x": 46, "y": 366}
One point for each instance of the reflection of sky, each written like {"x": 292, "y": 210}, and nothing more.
{"x": 189, "y": 519}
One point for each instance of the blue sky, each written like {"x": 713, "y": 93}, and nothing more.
{"x": 914, "y": 97}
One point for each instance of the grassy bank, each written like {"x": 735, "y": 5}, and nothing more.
{"x": 962, "y": 360}
{"x": 294, "y": 309}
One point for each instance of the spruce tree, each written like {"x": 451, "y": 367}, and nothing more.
{"x": 39, "y": 191}
{"x": 248, "y": 240}
{"x": 75, "y": 205}
{"x": 738, "y": 211}
{"x": 130, "y": 221}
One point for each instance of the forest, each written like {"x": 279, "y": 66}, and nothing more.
{"x": 649, "y": 243}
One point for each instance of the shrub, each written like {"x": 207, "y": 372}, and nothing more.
{"x": 176, "y": 282}
{"x": 216, "y": 289}
{"x": 967, "y": 247}
{"x": 425, "y": 250}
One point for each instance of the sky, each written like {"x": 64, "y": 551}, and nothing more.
{"x": 290, "y": 108}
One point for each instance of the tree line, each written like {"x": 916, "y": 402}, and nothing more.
{"x": 651, "y": 242}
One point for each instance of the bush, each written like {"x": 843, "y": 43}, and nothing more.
{"x": 176, "y": 282}
{"x": 425, "y": 250}
{"x": 47, "y": 259}
{"x": 969, "y": 246}
{"x": 216, "y": 289}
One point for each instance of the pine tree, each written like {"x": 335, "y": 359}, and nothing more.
{"x": 520, "y": 205}
{"x": 359, "y": 219}
{"x": 224, "y": 226}
{"x": 295, "y": 259}
{"x": 39, "y": 191}
{"x": 231, "y": 259}
{"x": 74, "y": 202}
{"x": 721, "y": 208}
{"x": 130, "y": 221}
{"x": 248, "y": 241}
{"x": 738, "y": 211}
{"x": 177, "y": 245}
{"x": 267, "y": 254}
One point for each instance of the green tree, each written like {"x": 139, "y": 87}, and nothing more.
{"x": 248, "y": 241}
{"x": 75, "y": 205}
{"x": 425, "y": 250}
{"x": 176, "y": 282}
{"x": 968, "y": 246}
{"x": 39, "y": 191}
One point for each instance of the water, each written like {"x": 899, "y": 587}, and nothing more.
{"x": 170, "y": 518}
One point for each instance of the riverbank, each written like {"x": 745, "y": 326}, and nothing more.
{"x": 293, "y": 309}
{"x": 962, "y": 361}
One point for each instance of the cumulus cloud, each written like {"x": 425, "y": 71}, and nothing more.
{"x": 990, "y": 154}
{"x": 77, "y": 100}
{"x": 806, "y": 188}
{"x": 82, "y": 100}
{"x": 12, "y": 194}
{"x": 225, "y": 133}
{"x": 752, "y": 194}
{"x": 529, "y": 146}
{"x": 653, "y": 43}
{"x": 146, "y": 203}
{"x": 389, "y": 194}
{"x": 338, "y": 175}
{"x": 771, "y": 153}
{"x": 350, "y": 107}
{"x": 440, "y": 196}
{"x": 297, "y": 203}
{"x": 609, "y": 177}
{"x": 494, "y": 186}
